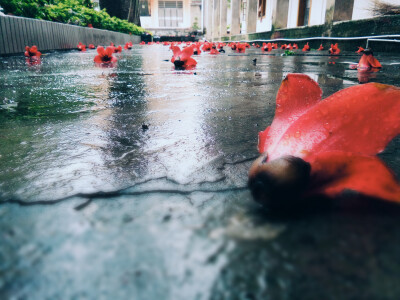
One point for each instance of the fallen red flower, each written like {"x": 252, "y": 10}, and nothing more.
{"x": 368, "y": 61}
{"x": 214, "y": 50}
{"x": 105, "y": 56}
{"x": 196, "y": 48}
{"x": 306, "y": 47}
{"x": 32, "y": 51}
{"x": 240, "y": 48}
{"x": 334, "y": 50}
{"x": 91, "y": 46}
{"x": 118, "y": 49}
{"x": 315, "y": 147}
{"x": 207, "y": 46}
{"x": 128, "y": 46}
{"x": 182, "y": 58}
{"x": 320, "y": 48}
{"x": 81, "y": 47}
{"x": 295, "y": 46}
{"x": 142, "y": 43}
{"x": 360, "y": 50}
{"x": 266, "y": 47}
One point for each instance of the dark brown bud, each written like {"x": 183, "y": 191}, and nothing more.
{"x": 280, "y": 183}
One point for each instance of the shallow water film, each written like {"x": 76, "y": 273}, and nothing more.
{"x": 94, "y": 205}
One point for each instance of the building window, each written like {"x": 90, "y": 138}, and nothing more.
{"x": 343, "y": 10}
{"x": 145, "y": 8}
{"x": 304, "y": 12}
{"x": 262, "y": 4}
{"x": 170, "y": 13}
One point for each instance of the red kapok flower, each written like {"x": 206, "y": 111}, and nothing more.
{"x": 81, "y": 47}
{"x": 306, "y": 47}
{"x": 360, "y": 50}
{"x": 32, "y": 51}
{"x": 207, "y": 46}
{"x": 105, "y": 56}
{"x": 128, "y": 46}
{"x": 316, "y": 147}
{"x": 240, "y": 48}
{"x": 266, "y": 47}
{"x": 368, "y": 61}
{"x": 214, "y": 50}
{"x": 334, "y": 50}
{"x": 182, "y": 58}
{"x": 196, "y": 48}
{"x": 142, "y": 43}
{"x": 320, "y": 48}
{"x": 118, "y": 49}
{"x": 295, "y": 46}
{"x": 91, "y": 46}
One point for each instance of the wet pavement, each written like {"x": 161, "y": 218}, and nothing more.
{"x": 95, "y": 207}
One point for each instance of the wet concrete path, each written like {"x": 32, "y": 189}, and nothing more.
{"x": 99, "y": 208}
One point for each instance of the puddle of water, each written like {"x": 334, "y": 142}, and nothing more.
{"x": 185, "y": 228}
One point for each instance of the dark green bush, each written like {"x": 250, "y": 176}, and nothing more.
{"x": 76, "y": 12}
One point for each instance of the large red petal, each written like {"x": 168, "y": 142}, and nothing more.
{"x": 186, "y": 53}
{"x": 176, "y": 51}
{"x": 374, "y": 62}
{"x": 360, "y": 119}
{"x": 190, "y": 62}
{"x": 109, "y": 51}
{"x": 335, "y": 171}
{"x": 296, "y": 95}
{"x": 101, "y": 51}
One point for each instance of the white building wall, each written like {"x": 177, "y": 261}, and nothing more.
{"x": 152, "y": 21}
{"x": 317, "y": 12}
{"x": 363, "y": 8}
{"x": 293, "y": 13}
{"x": 266, "y": 23}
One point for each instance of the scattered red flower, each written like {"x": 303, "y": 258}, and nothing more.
{"x": 320, "y": 48}
{"x": 316, "y": 147}
{"x": 240, "y": 48}
{"x": 32, "y": 51}
{"x": 360, "y": 50}
{"x": 306, "y": 47}
{"x": 105, "y": 56}
{"x": 368, "y": 61}
{"x": 81, "y": 47}
{"x": 214, "y": 50}
{"x": 118, "y": 49}
{"x": 334, "y": 50}
{"x": 207, "y": 46}
{"x": 266, "y": 47}
{"x": 128, "y": 46}
{"x": 91, "y": 46}
{"x": 182, "y": 58}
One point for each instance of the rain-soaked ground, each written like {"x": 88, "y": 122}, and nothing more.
{"x": 176, "y": 221}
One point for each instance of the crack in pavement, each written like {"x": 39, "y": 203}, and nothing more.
{"x": 125, "y": 191}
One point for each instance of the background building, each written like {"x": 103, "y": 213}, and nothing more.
{"x": 166, "y": 17}
{"x": 233, "y": 17}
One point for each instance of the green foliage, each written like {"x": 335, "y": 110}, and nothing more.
{"x": 76, "y": 12}
{"x": 195, "y": 25}
{"x": 288, "y": 53}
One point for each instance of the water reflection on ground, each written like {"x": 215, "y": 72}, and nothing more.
{"x": 126, "y": 213}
